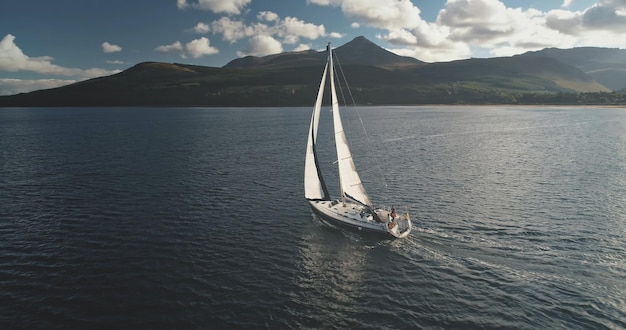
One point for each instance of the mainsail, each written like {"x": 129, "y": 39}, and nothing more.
{"x": 314, "y": 187}
{"x": 349, "y": 180}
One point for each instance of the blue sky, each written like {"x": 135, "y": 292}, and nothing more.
{"x": 49, "y": 43}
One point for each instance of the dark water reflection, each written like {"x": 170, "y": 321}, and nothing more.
{"x": 194, "y": 218}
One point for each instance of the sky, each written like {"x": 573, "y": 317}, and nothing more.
{"x": 50, "y": 43}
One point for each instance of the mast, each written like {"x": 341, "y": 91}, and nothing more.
{"x": 337, "y": 124}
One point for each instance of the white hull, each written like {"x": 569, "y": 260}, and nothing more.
{"x": 358, "y": 218}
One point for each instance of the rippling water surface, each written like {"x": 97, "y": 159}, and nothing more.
{"x": 195, "y": 218}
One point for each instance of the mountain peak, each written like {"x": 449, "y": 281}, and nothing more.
{"x": 359, "y": 50}
{"x": 360, "y": 41}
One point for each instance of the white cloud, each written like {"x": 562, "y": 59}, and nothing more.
{"x": 234, "y": 31}
{"x": 302, "y": 47}
{"x": 617, "y": 4}
{"x": 564, "y": 21}
{"x": 110, "y": 48}
{"x": 115, "y": 62}
{"x": 216, "y": 6}
{"x": 291, "y": 39}
{"x": 466, "y": 25}
{"x": 320, "y": 2}
{"x": 195, "y": 48}
{"x": 603, "y": 24}
{"x": 201, "y": 28}
{"x": 15, "y": 86}
{"x": 401, "y": 37}
{"x": 490, "y": 24}
{"x": 428, "y": 42}
{"x": 336, "y": 35}
{"x": 267, "y": 16}
{"x": 268, "y": 35}
{"x": 289, "y": 29}
{"x": 294, "y": 26}
{"x": 182, "y": 4}
{"x": 600, "y": 16}
{"x": 12, "y": 59}
{"x": 200, "y": 47}
{"x": 469, "y": 13}
{"x": 175, "y": 48}
{"x": 503, "y": 31}
{"x": 261, "y": 45}
{"x": 385, "y": 14}
{"x": 404, "y": 27}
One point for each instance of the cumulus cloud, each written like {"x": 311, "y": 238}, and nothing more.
{"x": 200, "y": 47}
{"x": 291, "y": 26}
{"x": 174, "y": 48}
{"x": 216, "y": 6}
{"x": 468, "y": 13}
{"x": 267, "y": 35}
{"x": 336, "y": 35}
{"x": 600, "y": 16}
{"x": 489, "y": 23}
{"x": 110, "y": 48}
{"x": 603, "y": 24}
{"x": 464, "y": 27}
{"x": 289, "y": 29}
{"x": 234, "y": 30}
{"x": 302, "y": 47}
{"x": 564, "y": 21}
{"x": 12, "y": 59}
{"x": 504, "y": 31}
{"x": 182, "y": 4}
{"x": 403, "y": 26}
{"x": 267, "y": 16}
{"x": 385, "y": 14}
{"x": 320, "y": 2}
{"x": 201, "y": 28}
{"x": 261, "y": 45}
{"x": 195, "y": 48}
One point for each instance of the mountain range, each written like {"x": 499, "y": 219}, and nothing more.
{"x": 376, "y": 76}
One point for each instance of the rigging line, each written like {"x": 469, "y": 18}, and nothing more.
{"x": 367, "y": 138}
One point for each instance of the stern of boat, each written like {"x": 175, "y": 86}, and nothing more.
{"x": 400, "y": 227}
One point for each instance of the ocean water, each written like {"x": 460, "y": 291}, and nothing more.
{"x": 195, "y": 218}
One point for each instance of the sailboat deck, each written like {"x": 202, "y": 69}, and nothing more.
{"x": 357, "y": 217}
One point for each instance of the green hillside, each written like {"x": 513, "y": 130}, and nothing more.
{"x": 376, "y": 76}
{"x": 605, "y": 65}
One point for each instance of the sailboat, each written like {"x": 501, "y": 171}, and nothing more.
{"x": 354, "y": 210}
